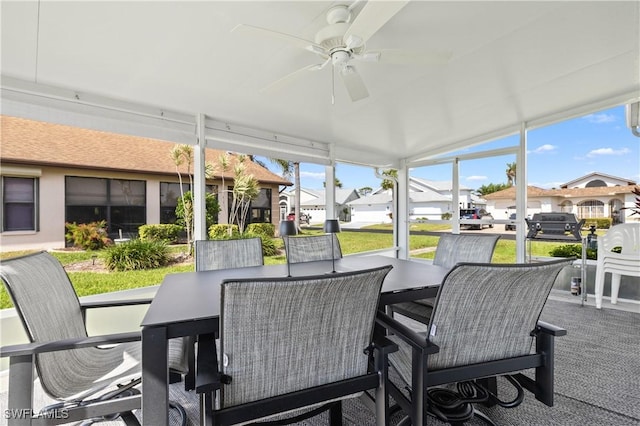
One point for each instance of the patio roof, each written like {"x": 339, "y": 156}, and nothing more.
{"x": 149, "y": 69}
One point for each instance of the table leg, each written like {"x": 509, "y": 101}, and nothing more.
{"x": 155, "y": 376}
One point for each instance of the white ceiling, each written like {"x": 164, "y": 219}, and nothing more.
{"x": 511, "y": 62}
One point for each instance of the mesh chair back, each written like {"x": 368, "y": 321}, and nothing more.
{"x": 287, "y": 334}
{"x": 312, "y": 247}
{"x": 485, "y": 312}
{"x": 50, "y": 310}
{"x": 456, "y": 248}
{"x": 225, "y": 254}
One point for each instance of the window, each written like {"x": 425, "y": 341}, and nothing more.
{"x": 19, "y": 209}
{"x": 121, "y": 203}
{"x": 590, "y": 209}
{"x": 169, "y": 195}
{"x": 259, "y": 208}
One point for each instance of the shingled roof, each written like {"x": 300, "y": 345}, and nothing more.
{"x": 534, "y": 191}
{"x": 45, "y": 144}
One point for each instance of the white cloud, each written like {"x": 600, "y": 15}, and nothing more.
{"x": 544, "y": 148}
{"x": 312, "y": 175}
{"x": 476, "y": 178}
{"x": 608, "y": 151}
{"x": 600, "y": 118}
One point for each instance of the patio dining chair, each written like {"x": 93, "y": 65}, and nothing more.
{"x": 626, "y": 236}
{"x": 295, "y": 346}
{"x": 92, "y": 377}
{"x": 310, "y": 248}
{"x": 225, "y": 254}
{"x": 221, "y": 254}
{"x": 451, "y": 249}
{"x": 484, "y": 323}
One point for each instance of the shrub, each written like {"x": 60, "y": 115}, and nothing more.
{"x": 265, "y": 230}
{"x": 137, "y": 254}
{"x": 571, "y": 250}
{"x": 221, "y": 232}
{"x": 600, "y": 223}
{"x": 268, "y": 245}
{"x": 88, "y": 236}
{"x": 446, "y": 216}
{"x": 167, "y": 232}
{"x": 211, "y": 206}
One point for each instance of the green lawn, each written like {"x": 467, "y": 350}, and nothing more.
{"x": 88, "y": 283}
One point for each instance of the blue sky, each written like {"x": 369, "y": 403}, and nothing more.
{"x": 560, "y": 153}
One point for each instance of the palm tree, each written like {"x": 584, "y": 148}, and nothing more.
{"x": 289, "y": 167}
{"x": 181, "y": 154}
{"x": 511, "y": 174}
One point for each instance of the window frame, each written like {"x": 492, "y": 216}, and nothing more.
{"x": 34, "y": 202}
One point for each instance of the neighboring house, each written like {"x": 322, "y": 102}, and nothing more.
{"x": 427, "y": 199}
{"x": 592, "y": 196}
{"x": 52, "y": 174}
{"x": 313, "y": 203}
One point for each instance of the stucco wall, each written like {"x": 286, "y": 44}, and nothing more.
{"x": 51, "y": 205}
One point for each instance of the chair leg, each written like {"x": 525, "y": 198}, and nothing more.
{"x": 599, "y": 287}
{"x": 335, "y": 414}
{"x": 615, "y": 287}
{"x": 491, "y": 384}
{"x": 129, "y": 419}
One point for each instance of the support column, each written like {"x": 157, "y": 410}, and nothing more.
{"x": 401, "y": 215}
{"x": 455, "y": 196}
{"x": 199, "y": 182}
{"x": 521, "y": 195}
{"x": 330, "y": 191}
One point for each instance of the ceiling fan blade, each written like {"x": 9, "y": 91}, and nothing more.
{"x": 290, "y": 78}
{"x": 294, "y": 40}
{"x": 399, "y": 56}
{"x": 371, "y": 18}
{"x": 354, "y": 84}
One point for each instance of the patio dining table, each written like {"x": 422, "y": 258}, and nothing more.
{"x": 188, "y": 304}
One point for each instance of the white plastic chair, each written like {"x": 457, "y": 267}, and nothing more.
{"x": 627, "y": 262}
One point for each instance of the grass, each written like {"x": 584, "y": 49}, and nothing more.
{"x": 88, "y": 283}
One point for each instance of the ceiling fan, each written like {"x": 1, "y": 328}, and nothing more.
{"x": 342, "y": 42}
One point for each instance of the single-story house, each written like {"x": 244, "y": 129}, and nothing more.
{"x": 313, "y": 203}
{"x": 52, "y": 174}
{"x": 591, "y": 196}
{"x": 427, "y": 200}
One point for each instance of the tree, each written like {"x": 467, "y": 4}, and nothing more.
{"x": 511, "y": 174}
{"x": 389, "y": 183}
{"x": 245, "y": 189}
{"x": 288, "y": 168}
{"x": 183, "y": 154}
{"x": 365, "y": 190}
{"x": 184, "y": 208}
{"x": 491, "y": 188}
{"x": 336, "y": 182}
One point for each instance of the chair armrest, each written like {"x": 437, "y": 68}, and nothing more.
{"x": 384, "y": 345}
{"x": 115, "y": 303}
{"x": 545, "y": 327}
{"x": 65, "y": 344}
{"x": 405, "y": 333}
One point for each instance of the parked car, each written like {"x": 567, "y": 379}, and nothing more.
{"x": 304, "y": 218}
{"x": 476, "y": 213}
{"x": 508, "y": 226}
